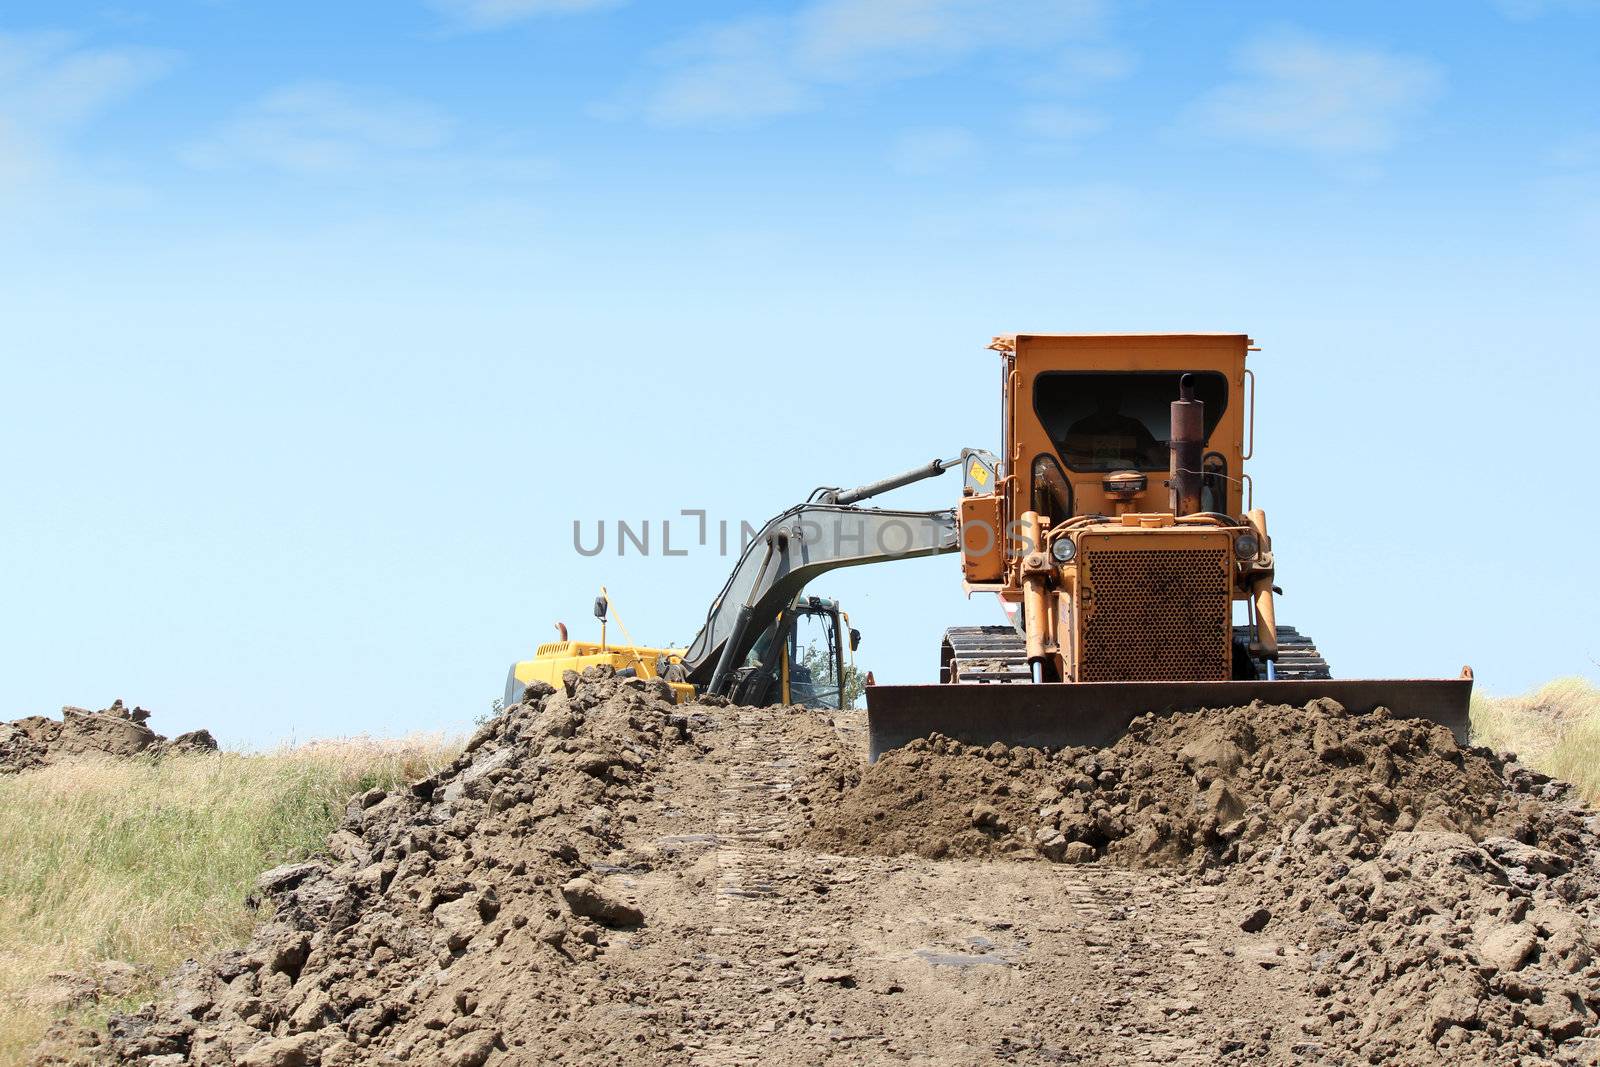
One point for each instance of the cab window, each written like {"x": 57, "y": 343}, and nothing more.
{"x": 1122, "y": 420}
{"x": 814, "y": 660}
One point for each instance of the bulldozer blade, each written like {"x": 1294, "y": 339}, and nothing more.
{"x": 1061, "y": 715}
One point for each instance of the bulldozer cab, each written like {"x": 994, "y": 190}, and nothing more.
{"x": 1078, "y": 408}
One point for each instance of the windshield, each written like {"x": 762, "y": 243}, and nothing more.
{"x": 813, "y": 660}
{"x": 1121, "y": 420}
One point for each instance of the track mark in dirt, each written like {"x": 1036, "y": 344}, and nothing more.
{"x": 785, "y": 954}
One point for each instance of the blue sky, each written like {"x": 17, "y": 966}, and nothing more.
{"x": 322, "y": 323}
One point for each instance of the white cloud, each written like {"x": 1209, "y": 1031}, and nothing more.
{"x": 321, "y": 128}
{"x": 775, "y": 65}
{"x": 1320, "y": 97}
{"x": 733, "y": 72}
{"x": 1083, "y": 67}
{"x": 47, "y": 82}
{"x": 846, "y": 40}
{"x": 50, "y": 87}
{"x": 331, "y": 132}
{"x": 932, "y": 150}
{"x": 489, "y": 14}
{"x": 1060, "y": 122}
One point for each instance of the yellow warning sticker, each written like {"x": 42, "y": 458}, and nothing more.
{"x": 980, "y": 473}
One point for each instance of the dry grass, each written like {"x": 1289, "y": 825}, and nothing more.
{"x": 149, "y": 862}
{"x": 1555, "y": 729}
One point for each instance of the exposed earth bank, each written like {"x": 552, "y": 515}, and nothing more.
{"x": 603, "y": 877}
{"x": 115, "y": 732}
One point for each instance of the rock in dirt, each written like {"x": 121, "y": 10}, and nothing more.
{"x": 297, "y": 1051}
{"x": 469, "y": 1050}
{"x": 1507, "y": 948}
{"x": 1078, "y": 852}
{"x": 1255, "y": 920}
{"x": 284, "y": 878}
{"x": 588, "y": 899}
{"x": 460, "y": 919}
{"x": 831, "y": 975}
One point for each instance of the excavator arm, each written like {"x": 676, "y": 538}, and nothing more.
{"x": 826, "y": 533}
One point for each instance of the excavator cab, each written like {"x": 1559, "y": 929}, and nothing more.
{"x": 814, "y": 671}
{"x": 801, "y": 659}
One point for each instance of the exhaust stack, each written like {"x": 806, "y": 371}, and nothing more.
{"x": 1187, "y": 448}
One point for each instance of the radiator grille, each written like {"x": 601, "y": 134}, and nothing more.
{"x": 1157, "y": 615}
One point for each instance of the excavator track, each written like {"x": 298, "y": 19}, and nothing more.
{"x": 990, "y": 655}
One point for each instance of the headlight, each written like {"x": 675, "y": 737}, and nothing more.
{"x": 1245, "y": 546}
{"x": 1063, "y": 550}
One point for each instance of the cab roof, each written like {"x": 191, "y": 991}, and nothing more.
{"x": 1006, "y": 342}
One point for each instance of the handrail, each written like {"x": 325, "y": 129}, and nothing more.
{"x": 1250, "y": 377}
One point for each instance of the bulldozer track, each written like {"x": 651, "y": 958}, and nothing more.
{"x": 1297, "y": 655}
{"x": 997, "y": 655}
{"x": 984, "y": 655}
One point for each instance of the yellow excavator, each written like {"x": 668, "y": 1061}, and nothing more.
{"x": 804, "y": 655}
{"x": 764, "y": 639}
{"x": 1118, "y": 531}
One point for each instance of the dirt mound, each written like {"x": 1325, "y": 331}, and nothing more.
{"x": 117, "y": 731}
{"x": 447, "y": 922}
{"x": 1442, "y": 897}
{"x": 604, "y": 877}
{"x": 1204, "y": 788}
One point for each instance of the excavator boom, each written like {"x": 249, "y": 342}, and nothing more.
{"x": 791, "y": 550}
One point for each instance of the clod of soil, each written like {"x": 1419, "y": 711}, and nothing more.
{"x": 117, "y": 731}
